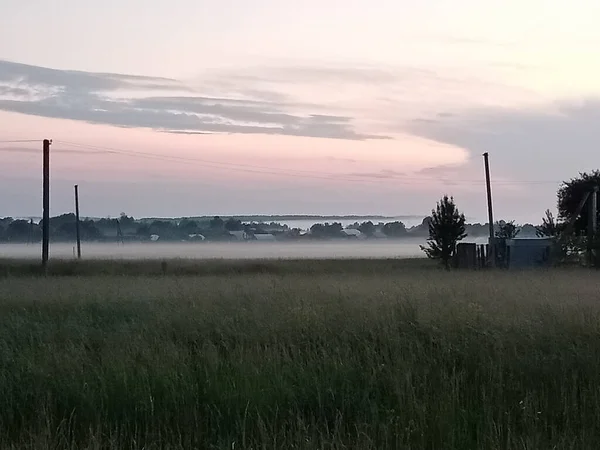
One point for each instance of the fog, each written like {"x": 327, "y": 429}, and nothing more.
{"x": 404, "y": 248}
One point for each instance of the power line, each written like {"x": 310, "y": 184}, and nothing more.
{"x": 225, "y": 165}
{"x": 297, "y": 173}
{"x": 328, "y": 176}
{"x": 19, "y": 141}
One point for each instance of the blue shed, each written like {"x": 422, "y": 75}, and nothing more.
{"x": 525, "y": 253}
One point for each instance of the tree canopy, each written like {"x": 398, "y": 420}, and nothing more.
{"x": 549, "y": 227}
{"x": 507, "y": 230}
{"x": 570, "y": 194}
{"x": 446, "y": 228}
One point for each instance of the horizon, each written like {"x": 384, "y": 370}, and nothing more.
{"x": 282, "y": 219}
{"x": 284, "y": 110}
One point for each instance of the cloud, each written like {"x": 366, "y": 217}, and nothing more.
{"x": 75, "y": 80}
{"x": 548, "y": 143}
{"x": 14, "y": 91}
{"x": 380, "y": 175}
{"x": 106, "y": 98}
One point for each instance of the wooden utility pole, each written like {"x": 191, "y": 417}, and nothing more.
{"x": 77, "y": 227}
{"x": 46, "y": 204}
{"x": 592, "y": 224}
{"x": 492, "y": 253}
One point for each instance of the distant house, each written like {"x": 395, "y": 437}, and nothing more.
{"x": 239, "y": 235}
{"x": 154, "y": 237}
{"x": 352, "y": 233}
{"x": 265, "y": 237}
{"x": 196, "y": 237}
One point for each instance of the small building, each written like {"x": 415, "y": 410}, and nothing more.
{"x": 352, "y": 233}
{"x": 196, "y": 237}
{"x": 264, "y": 237}
{"x": 524, "y": 253}
{"x": 239, "y": 235}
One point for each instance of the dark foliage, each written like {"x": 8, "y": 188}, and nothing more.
{"x": 446, "y": 229}
{"x": 549, "y": 226}
{"x": 569, "y": 196}
{"x": 507, "y": 230}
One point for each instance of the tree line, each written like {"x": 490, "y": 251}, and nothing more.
{"x": 63, "y": 229}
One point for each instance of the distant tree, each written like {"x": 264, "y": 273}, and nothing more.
{"x": 422, "y": 229}
{"x": 326, "y": 230}
{"x": 394, "y": 229}
{"x": 65, "y": 231}
{"x": 125, "y": 220}
{"x": 549, "y": 227}
{"x": 334, "y": 229}
{"x": 4, "y": 223}
{"x": 477, "y": 229}
{"x": 108, "y": 226}
{"x": 143, "y": 231}
{"x": 188, "y": 227}
{"x": 18, "y": 231}
{"x": 21, "y": 231}
{"x": 234, "y": 225}
{"x": 294, "y": 232}
{"x": 317, "y": 230}
{"x": 446, "y": 229}
{"x": 569, "y": 196}
{"x": 216, "y": 223}
{"x": 57, "y": 221}
{"x": 507, "y": 230}
{"x": 367, "y": 228}
{"x": 527, "y": 229}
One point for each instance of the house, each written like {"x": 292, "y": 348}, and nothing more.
{"x": 351, "y": 233}
{"x": 265, "y": 237}
{"x": 239, "y": 235}
{"x": 196, "y": 237}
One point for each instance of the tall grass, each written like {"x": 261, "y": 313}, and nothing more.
{"x": 191, "y": 267}
{"x": 413, "y": 360}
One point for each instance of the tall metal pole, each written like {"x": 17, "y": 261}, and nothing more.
{"x": 77, "y": 227}
{"x": 46, "y": 204}
{"x": 490, "y": 209}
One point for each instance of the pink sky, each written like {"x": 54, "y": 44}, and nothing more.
{"x": 365, "y": 109}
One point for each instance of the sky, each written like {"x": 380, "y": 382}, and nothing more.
{"x": 195, "y": 107}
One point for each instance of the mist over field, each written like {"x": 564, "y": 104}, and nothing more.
{"x": 401, "y": 248}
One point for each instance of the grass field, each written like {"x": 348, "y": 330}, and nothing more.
{"x": 298, "y": 355}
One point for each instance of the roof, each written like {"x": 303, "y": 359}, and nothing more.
{"x": 264, "y": 237}
{"x": 239, "y": 235}
{"x": 529, "y": 242}
{"x": 351, "y": 232}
